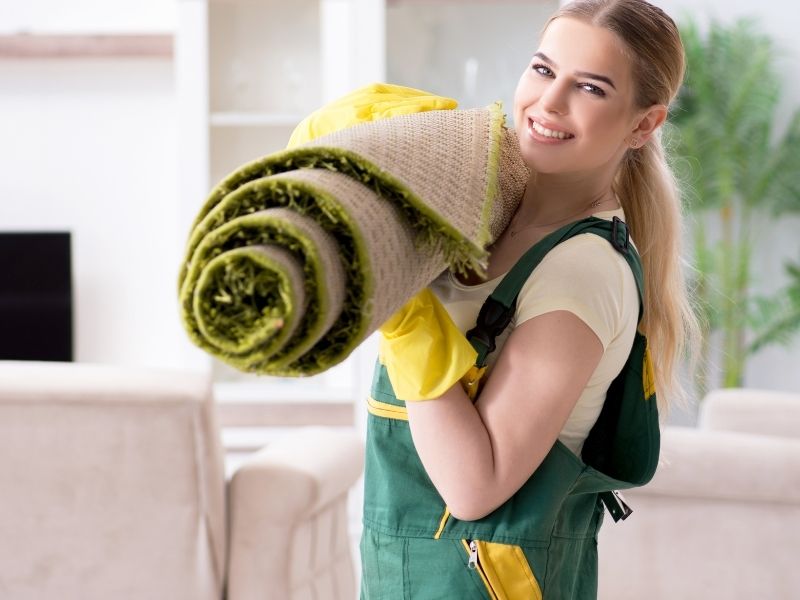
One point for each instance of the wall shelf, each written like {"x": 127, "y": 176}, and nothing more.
{"x": 28, "y": 45}
{"x": 247, "y": 72}
{"x": 253, "y": 119}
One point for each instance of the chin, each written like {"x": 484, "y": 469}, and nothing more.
{"x": 542, "y": 159}
{"x": 544, "y": 164}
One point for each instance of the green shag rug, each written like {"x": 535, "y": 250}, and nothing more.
{"x": 297, "y": 257}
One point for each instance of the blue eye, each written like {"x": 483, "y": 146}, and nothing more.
{"x": 542, "y": 70}
{"x": 593, "y": 89}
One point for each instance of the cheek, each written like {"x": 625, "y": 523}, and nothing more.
{"x": 527, "y": 91}
{"x": 606, "y": 126}
{"x": 520, "y": 98}
{"x": 519, "y": 94}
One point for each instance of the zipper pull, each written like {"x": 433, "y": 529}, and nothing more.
{"x": 473, "y": 554}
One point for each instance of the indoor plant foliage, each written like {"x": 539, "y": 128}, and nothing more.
{"x": 741, "y": 174}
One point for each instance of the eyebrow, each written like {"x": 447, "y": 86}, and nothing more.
{"x": 546, "y": 58}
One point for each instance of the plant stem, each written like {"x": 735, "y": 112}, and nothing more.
{"x": 703, "y": 303}
{"x": 742, "y": 296}
{"x": 728, "y": 294}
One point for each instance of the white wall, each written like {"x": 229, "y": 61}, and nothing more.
{"x": 84, "y": 16}
{"x": 89, "y": 145}
{"x": 93, "y": 150}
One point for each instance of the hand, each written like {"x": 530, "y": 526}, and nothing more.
{"x": 424, "y": 352}
{"x": 368, "y": 103}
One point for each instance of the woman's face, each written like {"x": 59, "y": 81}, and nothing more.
{"x": 573, "y": 106}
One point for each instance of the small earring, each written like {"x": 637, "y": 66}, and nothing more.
{"x": 635, "y": 143}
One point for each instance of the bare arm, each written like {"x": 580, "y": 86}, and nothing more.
{"x": 479, "y": 455}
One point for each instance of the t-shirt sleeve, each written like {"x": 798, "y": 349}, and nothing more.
{"x": 585, "y": 276}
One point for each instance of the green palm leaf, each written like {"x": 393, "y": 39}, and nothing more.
{"x": 738, "y": 171}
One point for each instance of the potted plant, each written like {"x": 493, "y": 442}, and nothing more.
{"x": 741, "y": 175}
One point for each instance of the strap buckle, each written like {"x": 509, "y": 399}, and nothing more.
{"x": 493, "y": 318}
{"x": 615, "y": 503}
{"x": 616, "y": 225}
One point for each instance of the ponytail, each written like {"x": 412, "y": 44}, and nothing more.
{"x": 650, "y": 198}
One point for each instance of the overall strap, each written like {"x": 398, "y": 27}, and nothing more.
{"x": 498, "y": 309}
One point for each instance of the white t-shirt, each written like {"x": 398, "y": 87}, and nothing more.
{"x": 584, "y": 275}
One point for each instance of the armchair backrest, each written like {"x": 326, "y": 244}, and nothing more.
{"x": 752, "y": 411}
{"x": 111, "y": 484}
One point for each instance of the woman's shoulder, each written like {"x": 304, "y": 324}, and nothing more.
{"x": 587, "y": 251}
{"x": 587, "y": 276}
{"x": 584, "y": 252}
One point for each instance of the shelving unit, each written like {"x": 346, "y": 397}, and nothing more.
{"x": 254, "y": 119}
{"x": 248, "y": 71}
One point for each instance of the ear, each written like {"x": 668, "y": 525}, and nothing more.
{"x": 646, "y": 123}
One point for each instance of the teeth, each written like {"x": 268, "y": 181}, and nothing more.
{"x": 549, "y": 132}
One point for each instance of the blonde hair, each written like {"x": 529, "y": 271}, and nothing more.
{"x": 646, "y": 185}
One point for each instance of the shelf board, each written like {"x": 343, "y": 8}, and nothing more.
{"x": 253, "y": 119}
{"x": 28, "y": 45}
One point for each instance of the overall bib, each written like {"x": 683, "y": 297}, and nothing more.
{"x": 542, "y": 542}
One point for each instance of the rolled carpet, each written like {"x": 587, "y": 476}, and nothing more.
{"x": 297, "y": 257}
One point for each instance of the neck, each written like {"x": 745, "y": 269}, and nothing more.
{"x": 555, "y": 197}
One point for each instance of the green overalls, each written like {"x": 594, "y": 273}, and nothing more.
{"x": 542, "y": 542}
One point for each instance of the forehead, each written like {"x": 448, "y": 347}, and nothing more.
{"x": 577, "y": 46}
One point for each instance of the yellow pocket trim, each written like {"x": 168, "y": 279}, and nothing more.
{"x": 472, "y": 381}
{"x": 386, "y": 410}
{"x": 648, "y": 379}
{"x": 505, "y": 571}
{"x": 442, "y": 523}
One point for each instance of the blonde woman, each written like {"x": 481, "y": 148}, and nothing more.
{"x": 492, "y": 498}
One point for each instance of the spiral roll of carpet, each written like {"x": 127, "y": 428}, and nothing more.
{"x": 297, "y": 257}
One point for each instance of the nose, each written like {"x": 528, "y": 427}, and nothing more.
{"x": 554, "y": 98}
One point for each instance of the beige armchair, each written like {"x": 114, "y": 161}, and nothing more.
{"x": 112, "y": 487}
{"x": 721, "y": 517}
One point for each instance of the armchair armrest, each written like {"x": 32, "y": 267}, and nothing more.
{"x": 752, "y": 411}
{"x": 288, "y": 518}
{"x": 296, "y": 475}
{"x": 698, "y": 463}
{"x": 720, "y": 519}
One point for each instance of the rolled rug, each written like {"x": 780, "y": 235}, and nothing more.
{"x": 297, "y": 257}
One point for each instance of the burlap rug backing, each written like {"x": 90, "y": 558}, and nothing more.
{"x": 297, "y": 257}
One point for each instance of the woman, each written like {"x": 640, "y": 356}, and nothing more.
{"x": 474, "y": 500}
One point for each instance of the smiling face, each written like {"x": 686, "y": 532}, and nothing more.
{"x": 574, "y": 107}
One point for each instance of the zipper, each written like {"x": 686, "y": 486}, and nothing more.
{"x": 474, "y": 564}
{"x": 528, "y": 587}
{"x": 473, "y": 554}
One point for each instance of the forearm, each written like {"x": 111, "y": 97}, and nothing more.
{"x": 455, "y": 448}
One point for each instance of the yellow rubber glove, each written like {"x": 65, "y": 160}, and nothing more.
{"x": 423, "y": 350}
{"x": 368, "y": 103}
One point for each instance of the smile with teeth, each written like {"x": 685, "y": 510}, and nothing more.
{"x": 561, "y": 135}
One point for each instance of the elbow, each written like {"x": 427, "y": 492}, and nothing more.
{"x": 467, "y": 515}
{"x": 470, "y": 509}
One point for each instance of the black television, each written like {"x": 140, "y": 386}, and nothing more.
{"x": 36, "y": 318}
